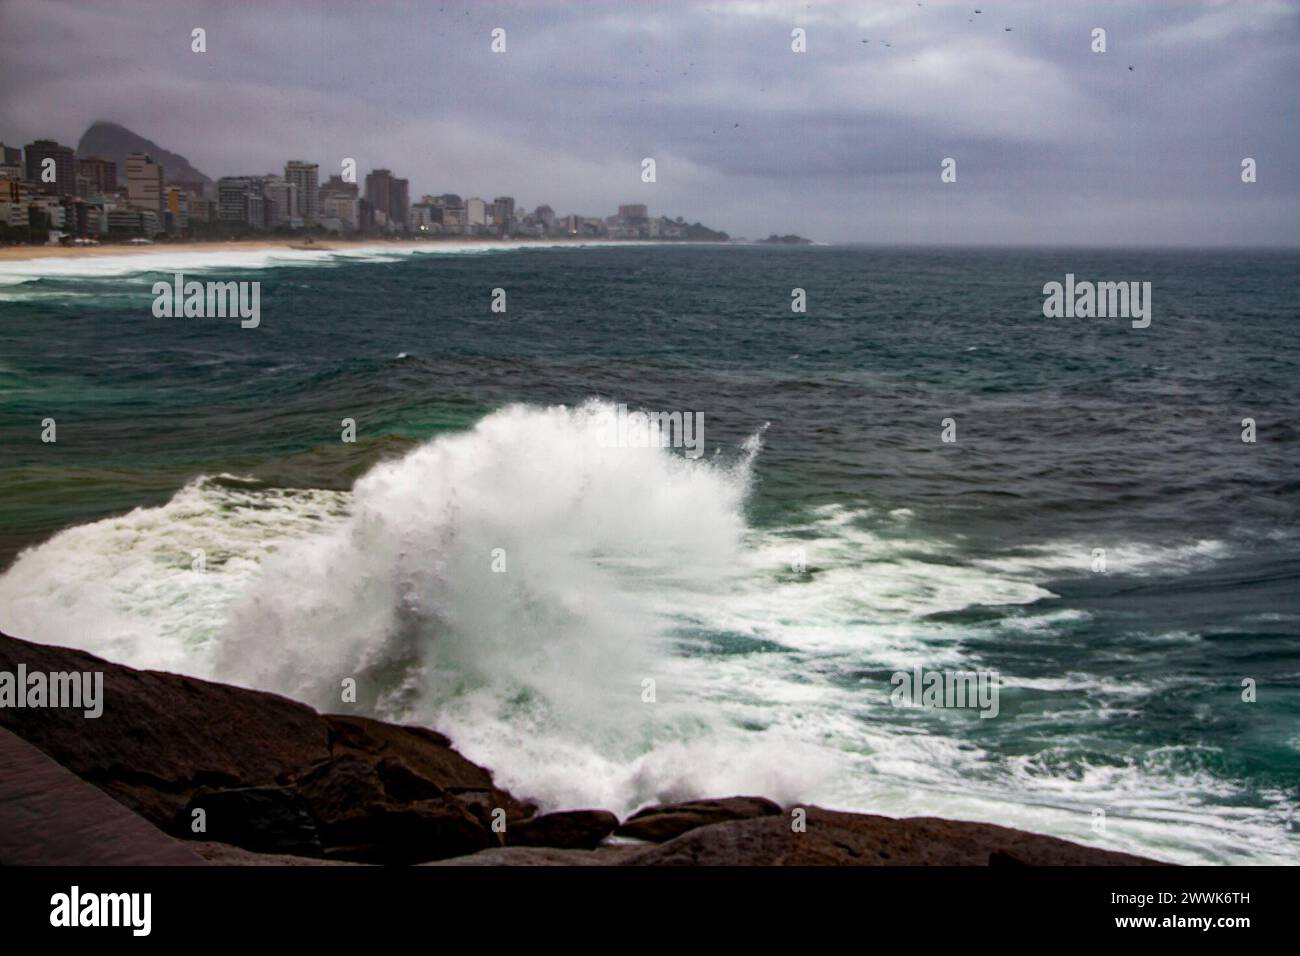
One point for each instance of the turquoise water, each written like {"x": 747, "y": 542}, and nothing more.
{"x": 1121, "y": 691}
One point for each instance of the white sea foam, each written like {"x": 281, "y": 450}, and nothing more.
{"x": 236, "y": 259}
{"x": 1137, "y": 559}
{"x": 130, "y": 588}
{"x": 621, "y": 565}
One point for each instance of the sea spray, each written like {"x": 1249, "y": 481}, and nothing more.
{"x": 404, "y": 596}
{"x": 768, "y": 682}
{"x": 128, "y": 588}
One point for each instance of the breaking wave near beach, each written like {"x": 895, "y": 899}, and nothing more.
{"x": 606, "y": 624}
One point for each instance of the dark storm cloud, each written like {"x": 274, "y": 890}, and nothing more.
{"x": 1053, "y": 142}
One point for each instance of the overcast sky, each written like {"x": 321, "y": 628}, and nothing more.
{"x": 1053, "y": 143}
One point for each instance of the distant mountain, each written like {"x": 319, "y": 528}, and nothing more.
{"x": 115, "y": 142}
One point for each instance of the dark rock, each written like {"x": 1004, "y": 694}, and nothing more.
{"x": 162, "y": 736}
{"x": 340, "y": 788}
{"x": 402, "y": 784}
{"x": 666, "y": 822}
{"x": 1003, "y": 858}
{"x": 407, "y": 833}
{"x": 973, "y": 840}
{"x": 224, "y": 854}
{"x": 429, "y": 756}
{"x": 385, "y": 813}
{"x": 855, "y": 839}
{"x": 544, "y": 856}
{"x": 568, "y": 829}
{"x": 272, "y": 774}
{"x": 262, "y": 819}
{"x": 483, "y": 806}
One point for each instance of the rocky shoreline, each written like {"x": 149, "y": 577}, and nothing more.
{"x": 274, "y": 782}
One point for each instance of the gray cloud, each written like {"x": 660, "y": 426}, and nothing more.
{"x": 1054, "y": 144}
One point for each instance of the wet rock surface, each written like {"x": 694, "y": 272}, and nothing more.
{"x": 277, "y": 782}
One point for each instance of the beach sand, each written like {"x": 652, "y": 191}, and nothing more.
{"x": 21, "y": 253}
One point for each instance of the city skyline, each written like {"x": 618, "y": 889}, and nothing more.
{"x": 50, "y": 189}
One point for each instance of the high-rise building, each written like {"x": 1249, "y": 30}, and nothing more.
{"x": 15, "y": 195}
{"x": 144, "y": 184}
{"x": 178, "y": 210}
{"x": 401, "y": 200}
{"x": 138, "y": 222}
{"x": 503, "y": 211}
{"x": 389, "y": 195}
{"x": 45, "y": 211}
{"x": 256, "y": 206}
{"x": 339, "y": 187}
{"x": 336, "y": 204}
{"x": 195, "y": 187}
{"x": 231, "y": 191}
{"x": 64, "y": 169}
{"x": 340, "y": 210}
{"x": 101, "y": 174}
{"x": 305, "y": 178}
{"x": 476, "y": 213}
{"x": 239, "y": 201}
{"x": 426, "y": 218}
{"x": 450, "y": 213}
{"x": 80, "y": 218}
{"x": 453, "y": 220}
{"x": 201, "y": 208}
{"x": 282, "y": 202}
{"x": 379, "y": 189}
{"x": 11, "y": 189}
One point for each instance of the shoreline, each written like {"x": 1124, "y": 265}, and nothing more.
{"x": 25, "y": 253}
{"x": 18, "y": 253}
{"x": 281, "y": 782}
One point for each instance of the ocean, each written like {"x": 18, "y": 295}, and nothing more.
{"x": 610, "y": 626}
